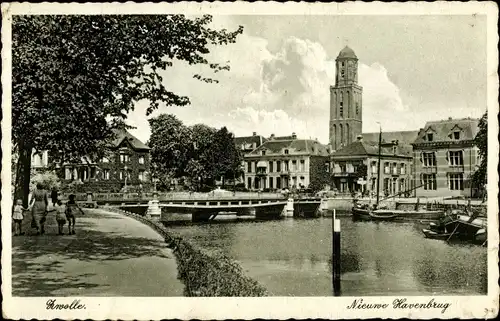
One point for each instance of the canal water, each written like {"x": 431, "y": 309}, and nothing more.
{"x": 292, "y": 257}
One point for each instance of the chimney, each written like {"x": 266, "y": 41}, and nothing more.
{"x": 359, "y": 138}
{"x": 271, "y": 137}
{"x": 254, "y": 134}
{"x": 294, "y": 136}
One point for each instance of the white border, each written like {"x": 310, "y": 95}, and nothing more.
{"x": 271, "y": 307}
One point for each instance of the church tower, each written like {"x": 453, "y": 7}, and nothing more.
{"x": 345, "y": 101}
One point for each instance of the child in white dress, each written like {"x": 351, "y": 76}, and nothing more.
{"x": 17, "y": 217}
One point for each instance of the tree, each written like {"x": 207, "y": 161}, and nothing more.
{"x": 75, "y": 77}
{"x": 362, "y": 171}
{"x": 170, "y": 144}
{"x": 225, "y": 156}
{"x": 479, "y": 177}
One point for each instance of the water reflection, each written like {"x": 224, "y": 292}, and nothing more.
{"x": 293, "y": 257}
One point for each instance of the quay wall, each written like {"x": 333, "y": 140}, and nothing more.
{"x": 204, "y": 273}
{"x": 343, "y": 205}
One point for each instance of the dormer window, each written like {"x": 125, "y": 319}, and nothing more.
{"x": 286, "y": 151}
{"x": 430, "y": 137}
{"x": 263, "y": 152}
{"x": 394, "y": 150}
{"x": 456, "y": 135}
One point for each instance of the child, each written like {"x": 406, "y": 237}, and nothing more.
{"x": 60, "y": 215}
{"x": 71, "y": 208}
{"x": 17, "y": 217}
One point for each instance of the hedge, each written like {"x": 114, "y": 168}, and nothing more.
{"x": 204, "y": 273}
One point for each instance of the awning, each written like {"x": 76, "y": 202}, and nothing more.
{"x": 262, "y": 164}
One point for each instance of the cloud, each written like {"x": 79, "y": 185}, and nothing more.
{"x": 274, "y": 92}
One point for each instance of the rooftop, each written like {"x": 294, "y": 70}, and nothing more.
{"x": 277, "y": 145}
{"x": 444, "y": 130}
{"x": 403, "y": 137}
{"x": 347, "y": 53}
{"x": 122, "y": 134}
{"x": 370, "y": 148}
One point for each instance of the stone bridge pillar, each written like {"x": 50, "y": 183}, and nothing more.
{"x": 288, "y": 211}
{"x": 154, "y": 210}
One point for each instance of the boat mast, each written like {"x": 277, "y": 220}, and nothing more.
{"x": 378, "y": 165}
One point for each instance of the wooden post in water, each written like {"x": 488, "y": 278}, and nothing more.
{"x": 336, "y": 254}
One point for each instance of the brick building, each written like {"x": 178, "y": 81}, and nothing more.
{"x": 286, "y": 162}
{"x": 126, "y": 163}
{"x": 445, "y": 157}
{"x": 395, "y": 167}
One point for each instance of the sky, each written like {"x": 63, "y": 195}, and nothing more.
{"x": 412, "y": 69}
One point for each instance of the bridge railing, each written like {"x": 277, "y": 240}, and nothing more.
{"x": 124, "y": 197}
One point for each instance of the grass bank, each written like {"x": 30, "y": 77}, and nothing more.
{"x": 204, "y": 273}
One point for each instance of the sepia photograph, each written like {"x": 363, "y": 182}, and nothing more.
{"x": 342, "y": 159}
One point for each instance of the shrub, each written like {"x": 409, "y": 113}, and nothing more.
{"x": 48, "y": 179}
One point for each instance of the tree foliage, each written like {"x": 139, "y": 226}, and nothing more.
{"x": 200, "y": 154}
{"x": 479, "y": 177}
{"x": 362, "y": 171}
{"x": 75, "y": 77}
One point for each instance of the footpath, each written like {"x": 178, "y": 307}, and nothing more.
{"x": 110, "y": 255}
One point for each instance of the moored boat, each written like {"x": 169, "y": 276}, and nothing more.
{"x": 436, "y": 235}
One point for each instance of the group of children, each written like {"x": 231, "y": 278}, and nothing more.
{"x": 64, "y": 212}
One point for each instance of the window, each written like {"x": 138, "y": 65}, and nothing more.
{"x": 278, "y": 167}
{"x": 327, "y": 166}
{"x": 394, "y": 169}
{"x": 121, "y": 175}
{"x": 271, "y": 167}
{"x": 285, "y": 165}
{"x": 105, "y": 160}
{"x": 394, "y": 150}
{"x": 374, "y": 184}
{"x": 456, "y": 135}
{"x": 455, "y": 158}
{"x": 249, "y": 167}
{"x": 430, "y": 137}
{"x": 403, "y": 169}
{"x": 357, "y": 108}
{"x": 271, "y": 183}
{"x": 263, "y": 152}
{"x": 387, "y": 169}
{"x": 106, "y": 174}
{"x": 67, "y": 173}
{"x": 343, "y": 64}
{"x": 342, "y": 73}
{"x": 429, "y": 159}
{"x": 124, "y": 158}
{"x": 141, "y": 176}
{"x": 302, "y": 165}
{"x": 141, "y": 159}
{"x": 286, "y": 151}
{"x": 386, "y": 186}
{"x": 341, "y": 109}
{"x": 294, "y": 165}
{"x": 456, "y": 181}
{"x": 374, "y": 167}
{"x": 429, "y": 182}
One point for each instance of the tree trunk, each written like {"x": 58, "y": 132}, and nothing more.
{"x": 25, "y": 160}
{"x": 223, "y": 182}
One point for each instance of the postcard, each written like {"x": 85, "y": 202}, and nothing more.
{"x": 243, "y": 160}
